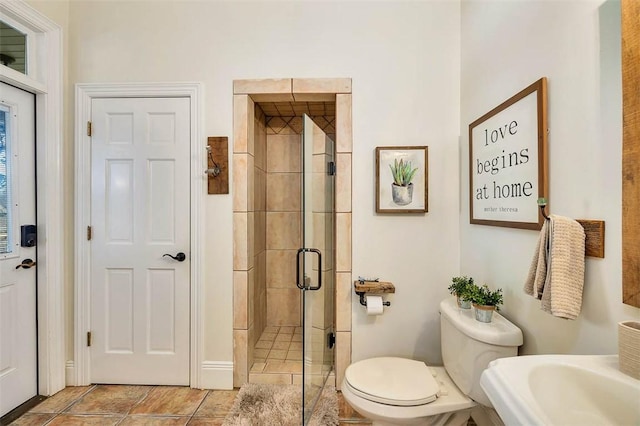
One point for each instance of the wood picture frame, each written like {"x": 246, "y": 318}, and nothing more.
{"x": 630, "y": 9}
{"x": 402, "y": 179}
{"x": 508, "y": 161}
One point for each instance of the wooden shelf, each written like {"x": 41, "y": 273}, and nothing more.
{"x": 374, "y": 287}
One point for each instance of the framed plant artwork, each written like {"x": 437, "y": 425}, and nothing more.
{"x": 402, "y": 179}
{"x": 508, "y": 161}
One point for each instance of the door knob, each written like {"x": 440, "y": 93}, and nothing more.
{"x": 180, "y": 257}
{"x": 26, "y": 264}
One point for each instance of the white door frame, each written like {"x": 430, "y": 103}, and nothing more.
{"x": 44, "y": 79}
{"x": 84, "y": 95}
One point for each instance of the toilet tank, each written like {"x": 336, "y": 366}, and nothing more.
{"x": 468, "y": 346}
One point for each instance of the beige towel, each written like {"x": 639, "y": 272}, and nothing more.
{"x": 556, "y": 275}
{"x": 538, "y": 269}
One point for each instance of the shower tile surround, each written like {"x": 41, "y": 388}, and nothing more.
{"x": 264, "y": 173}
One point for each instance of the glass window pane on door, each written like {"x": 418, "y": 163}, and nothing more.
{"x": 5, "y": 195}
{"x": 13, "y": 48}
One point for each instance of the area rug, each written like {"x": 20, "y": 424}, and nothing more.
{"x": 262, "y": 405}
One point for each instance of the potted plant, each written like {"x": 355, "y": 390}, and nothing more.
{"x": 462, "y": 288}
{"x": 485, "y": 302}
{"x": 402, "y": 188}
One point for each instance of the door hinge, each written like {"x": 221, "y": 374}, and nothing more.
{"x": 88, "y": 128}
{"x": 331, "y": 168}
{"x": 88, "y": 338}
{"x": 331, "y": 340}
{"x": 89, "y": 233}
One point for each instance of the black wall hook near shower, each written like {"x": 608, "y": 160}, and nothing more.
{"x": 215, "y": 170}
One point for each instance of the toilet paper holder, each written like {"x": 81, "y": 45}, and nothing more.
{"x": 364, "y": 286}
{"x": 363, "y": 301}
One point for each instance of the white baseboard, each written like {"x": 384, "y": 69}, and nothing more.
{"x": 70, "y": 373}
{"x": 214, "y": 374}
{"x": 217, "y": 375}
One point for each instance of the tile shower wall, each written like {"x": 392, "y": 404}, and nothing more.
{"x": 283, "y": 226}
{"x": 259, "y": 306}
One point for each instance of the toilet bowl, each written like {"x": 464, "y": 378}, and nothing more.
{"x": 401, "y": 391}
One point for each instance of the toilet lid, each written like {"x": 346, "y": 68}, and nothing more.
{"x": 392, "y": 381}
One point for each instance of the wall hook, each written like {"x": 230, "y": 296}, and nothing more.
{"x": 542, "y": 203}
{"x": 215, "y": 170}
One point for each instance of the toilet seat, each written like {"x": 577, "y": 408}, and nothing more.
{"x": 392, "y": 381}
{"x": 450, "y": 400}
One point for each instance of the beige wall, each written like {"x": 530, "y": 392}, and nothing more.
{"x": 403, "y": 58}
{"x": 579, "y": 52}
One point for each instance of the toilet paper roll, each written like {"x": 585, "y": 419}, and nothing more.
{"x": 374, "y": 305}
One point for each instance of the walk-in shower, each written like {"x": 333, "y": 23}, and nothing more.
{"x": 285, "y": 237}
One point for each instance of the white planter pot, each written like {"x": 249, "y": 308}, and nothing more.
{"x": 402, "y": 195}
{"x": 484, "y": 313}
{"x": 463, "y": 304}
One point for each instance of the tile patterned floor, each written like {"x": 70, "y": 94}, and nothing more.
{"x": 144, "y": 405}
{"x": 279, "y": 344}
{"x": 278, "y": 356}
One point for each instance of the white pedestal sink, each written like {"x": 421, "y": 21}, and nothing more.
{"x": 562, "y": 390}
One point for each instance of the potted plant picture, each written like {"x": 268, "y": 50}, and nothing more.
{"x": 485, "y": 302}
{"x": 402, "y": 188}
{"x": 405, "y": 189}
{"x": 462, "y": 288}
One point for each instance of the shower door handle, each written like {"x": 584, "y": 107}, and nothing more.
{"x": 302, "y": 280}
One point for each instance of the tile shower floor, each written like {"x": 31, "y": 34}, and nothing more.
{"x": 278, "y": 356}
{"x": 144, "y": 405}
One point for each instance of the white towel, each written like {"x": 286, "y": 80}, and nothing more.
{"x": 556, "y": 275}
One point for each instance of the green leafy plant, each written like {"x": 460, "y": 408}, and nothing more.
{"x": 402, "y": 172}
{"x": 462, "y": 287}
{"x": 484, "y": 296}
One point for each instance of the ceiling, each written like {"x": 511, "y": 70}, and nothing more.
{"x": 287, "y": 116}
{"x": 293, "y": 109}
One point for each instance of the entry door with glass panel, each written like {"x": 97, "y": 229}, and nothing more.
{"x": 316, "y": 261}
{"x": 18, "y": 336}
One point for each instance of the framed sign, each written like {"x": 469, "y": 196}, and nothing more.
{"x": 508, "y": 161}
{"x": 402, "y": 179}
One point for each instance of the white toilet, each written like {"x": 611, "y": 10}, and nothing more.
{"x": 400, "y": 391}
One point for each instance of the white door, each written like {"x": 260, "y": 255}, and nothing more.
{"x": 140, "y": 216}
{"x": 18, "y": 363}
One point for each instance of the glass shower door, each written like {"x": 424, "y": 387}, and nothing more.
{"x": 316, "y": 262}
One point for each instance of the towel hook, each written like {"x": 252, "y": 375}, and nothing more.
{"x": 542, "y": 203}
{"x": 215, "y": 170}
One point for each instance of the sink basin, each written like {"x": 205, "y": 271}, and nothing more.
{"x": 562, "y": 390}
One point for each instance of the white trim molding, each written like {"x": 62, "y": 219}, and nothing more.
{"x": 70, "y": 373}
{"x": 44, "y": 79}
{"x": 216, "y": 375}
{"x": 84, "y": 94}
